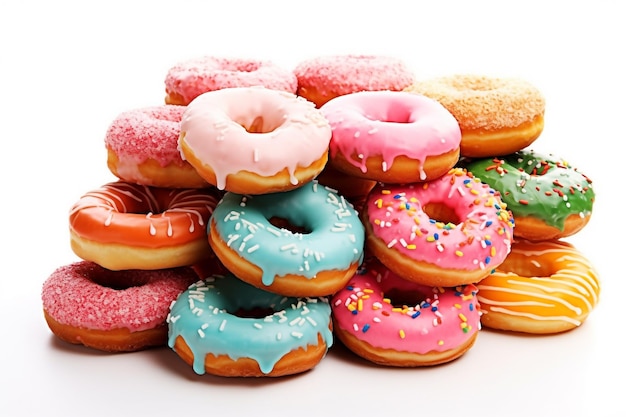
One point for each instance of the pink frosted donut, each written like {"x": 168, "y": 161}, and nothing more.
{"x": 124, "y": 311}
{"x": 254, "y": 140}
{"x": 142, "y": 147}
{"x": 323, "y": 78}
{"x": 188, "y": 79}
{"x": 392, "y": 136}
{"x": 450, "y": 231}
{"x": 390, "y": 321}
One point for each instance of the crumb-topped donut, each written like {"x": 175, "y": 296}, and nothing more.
{"x": 391, "y": 136}
{"x": 497, "y": 115}
{"x": 391, "y": 321}
{"x": 254, "y": 140}
{"x": 142, "y": 147}
{"x": 548, "y": 197}
{"x": 223, "y": 326}
{"x": 542, "y": 287}
{"x": 323, "y": 78}
{"x": 187, "y": 79}
{"x": 122, "y": 225}
{"x": 447, "y": 232}
{"x": 114, "y": 311}
{"x": 304, "y": 242}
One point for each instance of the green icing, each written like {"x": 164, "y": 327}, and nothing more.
{"x": 334, "y": 241}
{"x": 203, "y": 316}
{"x": 534, "y": 185}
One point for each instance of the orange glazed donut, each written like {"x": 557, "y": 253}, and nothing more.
{"x": 497, "y": 115}
{"x": 254, "y": 140}
{"x": 188, "y": 79}
{"x": 542, "y": 287}
{"x": 447, "y": 232}
{"x": 123, "y": 225}
{"x": 142, "y": 147}
{"x": 114, "y": 311}
{"x": 326, "y": 77}
{"x": 394, "y": 322}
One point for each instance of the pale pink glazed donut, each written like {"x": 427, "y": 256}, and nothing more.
{"x": 142, "y": 147}
{"x": 122, "y": 225}
{"x": 392, "y": 136}
{"x": 394, "y": 322}
{"x": 323, "y": 78}
{"x": 450, "y": 231}
{"x": 188, "y": 79}
{"x": 123, "y": 311}
{"x": 254, "y": 140}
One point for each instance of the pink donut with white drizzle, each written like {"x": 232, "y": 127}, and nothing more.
{"x": 392, "y": 136}
{"x": 394, "y": 322}
{"x": 254, "y": 140}
{"x": 113, "y": 311}
{"x": 188, "y": 79}
{"x": 142, "y": 147}
{"x": 450, "y": 231}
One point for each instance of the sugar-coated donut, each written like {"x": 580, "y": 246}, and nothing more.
{"x": 548, "y": 198}
{"x": 542, "y": 287}
{"x": 187, "y": 79}
{"x": 391, "y": 136}
{"x": 114, "y": 311}
{"x": 391, "y": 321}
{"x": 254, "y": 140}
{"x": 497, "y": 115}
{"x": 323, "y": 78}
{"x": 142, "y": 147}
{"x": 447, "y": 232}
{"x": 123, "y": 225}
{"x": 223, "y": 326}
{"x": 304, "y": 242}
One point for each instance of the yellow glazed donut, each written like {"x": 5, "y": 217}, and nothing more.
{"x": 542, "y": 287}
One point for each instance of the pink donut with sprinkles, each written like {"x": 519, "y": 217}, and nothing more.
{"x": 142, "y": 147}
{"x": 450, "y": 231}
{"x": 123, "y": 311}
{"x": 323, "y": 78}
{"x": 391, "y": 136}
{"x": 394, "y": 322}
{"x": 188, "y": 79}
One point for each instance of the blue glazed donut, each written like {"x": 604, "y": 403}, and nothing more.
{"x": 317, "y": 258}
{"x": 213, "y": 327}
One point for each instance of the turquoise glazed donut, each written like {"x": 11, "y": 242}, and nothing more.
{"x": 315, "y": 256}
{"x": 224, "y": 326}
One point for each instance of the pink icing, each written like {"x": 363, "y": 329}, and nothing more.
{"x": 193, "y": 77}
{"x": 389, "y": 124}
{"x": 150, "y": 132}
{"x": 344, "y": 74}
{"x": 86, "y": 295}
{"x": 426, "y": 319}
{"x": 292, "y": 132}
{"x": 480, "y": 237}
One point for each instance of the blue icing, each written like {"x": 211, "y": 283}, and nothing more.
{"x": 201, "y": 315}
{"x": 335, "y": 240}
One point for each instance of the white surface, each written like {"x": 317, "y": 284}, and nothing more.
{"x": 68, "y": 70}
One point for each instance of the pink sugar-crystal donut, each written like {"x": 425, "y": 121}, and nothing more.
{"x": 323, "y": 78}
{"x": 188, "y": 79}
{"x": 142, "y": 147}
{"x": 122, "y": 311}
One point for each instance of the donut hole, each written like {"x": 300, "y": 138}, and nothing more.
{"x": 404, "y": 298}
{"x": 254, "y": 312}
{"x": 395, "y": 113}
{"x": 525, "y": 268}
{"x": 262, "y": 124}
{"x": 283, "y": 223}
{"x": 441, "y": 212}
{"x": 120, "y": 281}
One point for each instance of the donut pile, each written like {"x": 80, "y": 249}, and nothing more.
{"x": 260, "y": 212}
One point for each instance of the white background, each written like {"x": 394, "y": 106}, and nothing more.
{"x": 67, "y": 69}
